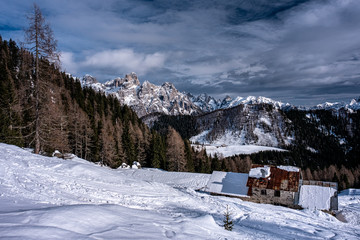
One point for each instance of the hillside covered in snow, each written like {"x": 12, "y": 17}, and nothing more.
{"x": 51, "y": 198}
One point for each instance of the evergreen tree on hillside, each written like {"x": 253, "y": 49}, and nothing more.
{"x": 189, "y": 157}
{"x": 128, "y": 143}
{"x": 157, "y": 151}
{"x": 10, "y": 119}
{"x": 228, "y": 223}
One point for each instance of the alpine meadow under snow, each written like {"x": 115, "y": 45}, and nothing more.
{"x": 51, "y": 198}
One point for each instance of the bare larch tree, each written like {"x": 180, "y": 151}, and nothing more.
{"x": 39, "y": 36}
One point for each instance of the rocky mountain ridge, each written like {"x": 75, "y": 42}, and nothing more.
{"x": 208, "y": 103}
{"x": 145, "y": 98}
{"x": 148, "y": 98}
{"x": 353, "y": 105}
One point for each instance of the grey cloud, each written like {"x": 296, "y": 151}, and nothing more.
{"x": 301, "y": 51}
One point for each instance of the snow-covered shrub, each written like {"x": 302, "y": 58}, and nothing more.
{"x": 56, "y": 153}
{"x": 136, "y": 165}
{"x": 124, "y": 165}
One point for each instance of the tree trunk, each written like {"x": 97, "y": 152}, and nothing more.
{"x": 37, "y": 105}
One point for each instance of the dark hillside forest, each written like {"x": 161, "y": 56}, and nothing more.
{"x": 82, "y": 121}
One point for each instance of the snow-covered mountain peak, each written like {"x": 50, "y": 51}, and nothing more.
{"x": 145, "y": 98}
{"x": 225, "y": 102}
{"x": 207, "y": 103}
{"x": 260, "y": 100}
{"x": 147, "y": 83}
{"x": 168, "y": 85}
{"x": 353, "y": 105}
{"x": 150, "y": 98}
{"x": 88, "y": 79}
{"x": 131, "y": 79}
{"x": 354, "y": 101}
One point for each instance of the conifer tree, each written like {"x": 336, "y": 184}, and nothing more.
{"x": 189, "y": 158}
{"x": 155, "y": 146}
{"x": 228, "y": 223}
{"x": 128, "y": 144}
{"x": 9, "y": 102}
{"x": 215, "y": 165}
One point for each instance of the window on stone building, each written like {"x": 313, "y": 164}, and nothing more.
{"x": 263, "y": 192}
{"x": 277, "y": 193}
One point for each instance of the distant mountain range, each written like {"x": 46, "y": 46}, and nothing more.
{"x": 147, "y": 98}
{"x": 324, "y": 134}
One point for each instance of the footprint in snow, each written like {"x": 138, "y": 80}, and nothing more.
{"x": 170, "y": 234}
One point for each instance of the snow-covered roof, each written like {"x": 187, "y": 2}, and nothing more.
{"x": 289, "y": 168}
{"x": 260, "y": 172}
{"x": 228, "y": 183}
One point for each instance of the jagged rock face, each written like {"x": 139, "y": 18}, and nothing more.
{"x": 226, "y": 102}
{"x": 354, "y": 105}
{"x": 208, "y": 104}
{"x": 165, "y": 99}
{"x": 146, "y": 98}
{"x": 258, "y": 124}
{"x": 205, "y": 102}
{"x": 88, "y": 80}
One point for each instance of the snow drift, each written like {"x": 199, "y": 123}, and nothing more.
{"x": 52, "y": 198}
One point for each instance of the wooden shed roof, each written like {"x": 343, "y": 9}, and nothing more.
{"x": 279, "y": 179}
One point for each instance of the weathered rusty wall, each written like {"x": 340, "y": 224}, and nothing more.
{"x": 279, "y": 179}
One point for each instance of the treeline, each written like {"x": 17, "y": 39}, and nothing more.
{"x": 185, "y": 125}
{"x": 334, "y": 135}
{"x": 345, "y": 177}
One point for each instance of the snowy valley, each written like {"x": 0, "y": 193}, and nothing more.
{"x": 51, "y": 198}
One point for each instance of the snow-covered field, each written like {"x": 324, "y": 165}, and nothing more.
{"x": 51, "y": 198}
{"x": 231, "y": 150}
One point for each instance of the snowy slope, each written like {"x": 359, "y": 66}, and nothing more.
{"x": 231, "y": 150}
{"x": 259, "y": 125}
{"x": 51, "y": 198}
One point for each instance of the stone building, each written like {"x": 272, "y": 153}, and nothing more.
{"x": 278, "y": 185}
{"x": 274, "y": 185}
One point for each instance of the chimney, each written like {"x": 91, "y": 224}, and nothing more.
{"x": 263, "y": 173}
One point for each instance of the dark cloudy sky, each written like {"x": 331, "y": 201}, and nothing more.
{"x": 302, "y": 52}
